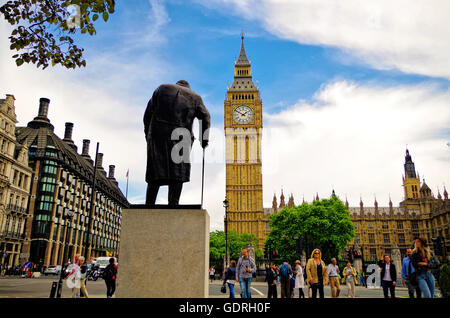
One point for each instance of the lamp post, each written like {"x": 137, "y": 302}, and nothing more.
{"x": 225, "y": 205}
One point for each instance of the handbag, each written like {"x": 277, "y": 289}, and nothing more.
{"x": 223, "y": 289}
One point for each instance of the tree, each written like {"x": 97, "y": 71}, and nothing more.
{"x": 236, "y": 243}
{"x": 43, "y": 29}
{"x": 324, "y": 224}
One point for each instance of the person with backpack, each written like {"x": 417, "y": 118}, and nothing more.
{"x": 286, "y": 274}
{"x": 244, "y": 269}
{"x": 109, "y": 275}
{"x": 317, "y": 273}
{"x": 423, "y": 262}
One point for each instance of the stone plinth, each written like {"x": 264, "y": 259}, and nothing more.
{"x": 164, "y": 253}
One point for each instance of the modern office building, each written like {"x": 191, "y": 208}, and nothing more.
{"x": 61, "y": 195}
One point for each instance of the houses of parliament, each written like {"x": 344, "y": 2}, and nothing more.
{"x": 377, "y": 229}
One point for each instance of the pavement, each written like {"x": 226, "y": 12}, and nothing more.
{"x": 17, "y": 287}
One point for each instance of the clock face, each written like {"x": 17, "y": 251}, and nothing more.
{"x": 243, "y": 114}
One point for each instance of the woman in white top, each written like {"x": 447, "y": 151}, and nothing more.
{"x": 299, "y": 279}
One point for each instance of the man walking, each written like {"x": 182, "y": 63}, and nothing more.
{"x": 285, "y": 279}
{"x": 333, "y": 274}
{"x": 407, "y": 270}
{"x": 388, "y": 277}
{"x": 244, "y": 270}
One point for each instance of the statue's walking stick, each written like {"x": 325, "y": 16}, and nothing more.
{"x": 203, "y": 175}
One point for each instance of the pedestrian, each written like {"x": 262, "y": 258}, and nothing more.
{"x": 285, "y": 279}
{"x": 299, "y": 279}
{"x": 333, "y": 275}
{"x": 74, "y": 277}
{"x": 271, "y": 279}
{"x": 292, "y": 286}
{"x": 244, "y": 269}
{"x": 230, "y": 277}
{"x": 278, "y": 275}
{"x": 388, "y": 277}
{"x": 407, "y": 271}
{"x": 211, "y": 274}
{"x": 316, "y": 273}
{"x": 420, "y": 258}
{"x": 361, "y": 278}
{"x": 83, "y": 272}
{"x": 109, "y": 275}
{"x": 350, "y": 278}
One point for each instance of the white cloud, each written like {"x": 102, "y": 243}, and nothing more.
{"x": 411, "y": 36}
{"x": 353, "y": 138}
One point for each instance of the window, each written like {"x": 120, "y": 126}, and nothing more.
{"x": 385, "y": 225}
{"x": 370, "y": 226}
{"x": 400, "y": 225}
{"x": 372, "y": 238}
{"x": 401, "y": 239}
{"x": 373, "y": 253}
{"x": 386, "y": 238}
{"x": 415, "y": 225}
{"x": 357, "y": 240}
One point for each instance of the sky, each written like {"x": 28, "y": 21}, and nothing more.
{"x": 346, "y": 87}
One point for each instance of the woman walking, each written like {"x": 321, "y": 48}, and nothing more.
{"x": 299, "y": 280}
{"x": 316, "y": 273}
{"x": 420, "y": 259}
{"x": 350, "y": 278}
{"x": 271, "y": 278}
{"x": 230, "y": 277}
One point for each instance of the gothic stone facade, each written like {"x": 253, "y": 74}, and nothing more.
{"x": 15, "y": 179}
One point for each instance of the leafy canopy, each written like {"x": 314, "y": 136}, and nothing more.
{"x": 43, "y": 29}
{"x": 325, "y": 224}
{"x": 236, "y": 243}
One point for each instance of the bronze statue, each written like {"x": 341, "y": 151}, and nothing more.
{"x": 168, "y": 120}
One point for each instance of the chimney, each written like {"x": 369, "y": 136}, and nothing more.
{"x": 112, "y": 169}
{"x": 42, "y": 121}
{"x": 86, "y": 143}
{"x": 43, "y": 107}
{"x": 68, "y": 132}
{"x": 100, "y": 160}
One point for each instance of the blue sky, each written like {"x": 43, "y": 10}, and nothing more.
{"x": 345, "y": 86}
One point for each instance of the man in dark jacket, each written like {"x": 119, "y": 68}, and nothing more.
{"x": 168, "y": 122}
{"x": 388, "y": 277}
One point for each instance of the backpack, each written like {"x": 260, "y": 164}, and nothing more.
{"x": 284, "y": 270}
{"x": 108, "y": 273}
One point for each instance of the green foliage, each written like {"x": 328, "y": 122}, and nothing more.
{"x": 44, "y": 28}
{"x": 236, "y": 243}
{"x": 326, "y": 224}
{"x": 444, "y": 281}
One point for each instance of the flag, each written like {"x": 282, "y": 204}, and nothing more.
{"x": 128, "y": 171}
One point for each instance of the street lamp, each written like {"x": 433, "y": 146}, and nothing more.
{"x": 225, "y": 205}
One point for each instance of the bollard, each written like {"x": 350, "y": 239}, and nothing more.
{"x": 53, "y": 291}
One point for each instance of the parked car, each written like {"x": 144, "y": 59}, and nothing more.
{"x": 53, "y": 269}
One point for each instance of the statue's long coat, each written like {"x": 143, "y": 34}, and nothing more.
{"x": 171, "y": 107}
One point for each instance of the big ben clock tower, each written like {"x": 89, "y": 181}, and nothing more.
{"x": 243, "y": 131}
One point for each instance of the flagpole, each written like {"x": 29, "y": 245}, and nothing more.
{"x": 128, "y": 176}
